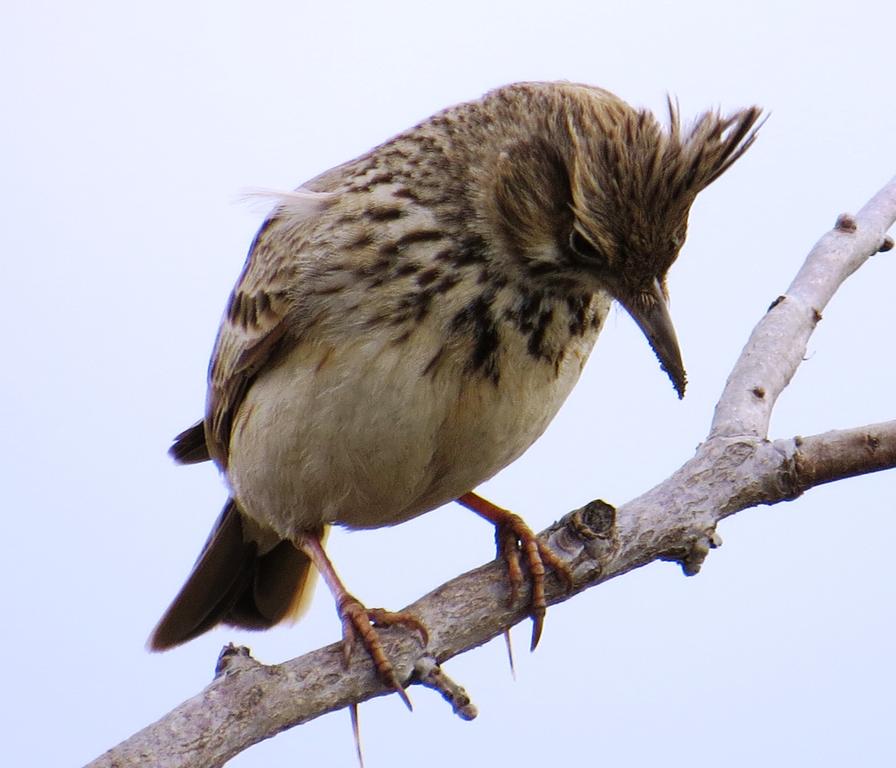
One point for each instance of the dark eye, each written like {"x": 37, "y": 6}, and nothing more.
{"x": 585, "y": 251}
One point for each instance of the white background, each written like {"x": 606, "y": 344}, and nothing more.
{"x": 128, "y": 132}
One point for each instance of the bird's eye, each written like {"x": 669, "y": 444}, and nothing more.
{"x": 584, "y": 250}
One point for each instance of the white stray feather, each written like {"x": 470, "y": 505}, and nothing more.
{"x": 299, "y": 202}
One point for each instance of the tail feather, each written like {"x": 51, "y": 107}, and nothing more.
{"x": 232, "y": 584}
{"x": 281, "y": 589}
{"x": 189, "y": 446}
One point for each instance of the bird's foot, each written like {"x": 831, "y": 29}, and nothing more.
{"x": 515, "y": 541}
{"x": 356, "y": 618}
{"x": 360, "y": 622}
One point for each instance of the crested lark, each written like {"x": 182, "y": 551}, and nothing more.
{"x": 408, "y": 323}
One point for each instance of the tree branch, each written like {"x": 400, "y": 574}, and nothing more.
{"x": 844, "y": 453}
{"x": 777, "y": 345}
{"x": 736, "y": 468}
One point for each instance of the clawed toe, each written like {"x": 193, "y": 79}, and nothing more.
{"x": 515, "y": 541}
{"x": 518, "y": 540}
{"x": 380, "y": 617}
{"x": 356, "y": 623}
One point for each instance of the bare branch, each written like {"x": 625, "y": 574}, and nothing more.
{"x": 675, "y": 520}
{"x": 845, "y": 453}
{"x": 734, "y": 469}
{"x": 778, "y": 343}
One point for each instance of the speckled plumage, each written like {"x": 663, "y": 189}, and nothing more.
{"x": 408, "y": 323}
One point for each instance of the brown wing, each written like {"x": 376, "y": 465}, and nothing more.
{"x": 255, "y": 322}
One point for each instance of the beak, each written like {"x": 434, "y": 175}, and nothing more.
{"x": 652, "y": 317}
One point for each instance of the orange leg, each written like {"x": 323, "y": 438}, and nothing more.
{"x": 356, "y": 618}
{"x": 514, "y": 538}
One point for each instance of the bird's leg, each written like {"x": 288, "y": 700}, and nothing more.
{"x": 356, "y": 618}
{"x": 514, "y": 538}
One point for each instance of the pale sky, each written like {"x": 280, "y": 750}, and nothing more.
{"x": 129, "y": 132}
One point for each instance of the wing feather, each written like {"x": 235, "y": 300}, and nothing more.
{"x": 255, "y": 324}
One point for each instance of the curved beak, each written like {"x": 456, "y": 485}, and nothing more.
{"x": 652, "y": 317}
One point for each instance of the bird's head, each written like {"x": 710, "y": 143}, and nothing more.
{"x": 600, "y": 199}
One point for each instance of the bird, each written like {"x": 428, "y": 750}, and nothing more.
{"x": 408, "y": 323}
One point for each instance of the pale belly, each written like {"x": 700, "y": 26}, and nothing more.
{"x": 360, "y": 436}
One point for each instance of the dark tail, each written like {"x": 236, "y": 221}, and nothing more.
{"x": 189, "y": 446}
{"x": 232, "y": 584}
